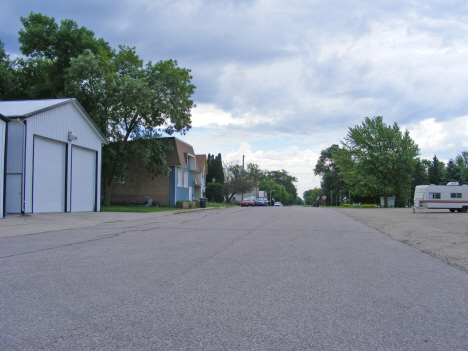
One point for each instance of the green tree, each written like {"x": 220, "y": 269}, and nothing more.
{"x": 130, "y": 102}
{"x": 332, "y": 179}
{"x": 462, "y": 162}
{"x": 453, "y": 173}
{"x": 215, "y": 169}
{"x": 49, "y": 49}
{"x": 419, "y": 176}
{"x": 10, "y": 84}
{"x": 298, "y": 201}
{"x": 378, "y": 159}
{"x": 312, "y": 195}
{"x": 255, "y": 173}
{"x": 215, "y": 192}
{"x": 236, "y": 181}
{"x": 280, "y": 194}
{"x": 435, "y": 171}
{"x": 283, "y": 178}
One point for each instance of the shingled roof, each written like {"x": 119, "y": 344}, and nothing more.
{"x": 201, "y": 163}
{"x": 178, "y": 155}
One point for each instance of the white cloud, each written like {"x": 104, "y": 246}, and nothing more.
{"x": 446, "y": 139}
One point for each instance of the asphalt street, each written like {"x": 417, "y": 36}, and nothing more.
{"x": 285, "y": 278}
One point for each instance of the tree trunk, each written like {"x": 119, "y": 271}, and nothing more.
{"x": 107, "y": 192}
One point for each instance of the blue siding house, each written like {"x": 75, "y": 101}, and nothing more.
{"x": 179, "y": 185}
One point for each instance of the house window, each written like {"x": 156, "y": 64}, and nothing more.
{"x": 119, "y": 180}
{"x": 185, "y": 179}
{"x": 456, "y": 195}
{"x": 434, "y": 195}
{"x": 179, "y": 178}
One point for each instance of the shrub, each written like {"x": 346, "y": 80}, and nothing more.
{"x": 215, "y": 192}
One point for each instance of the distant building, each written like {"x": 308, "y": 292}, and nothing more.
{"x": 390, "y": 201}
{"x": 186, "y": 180}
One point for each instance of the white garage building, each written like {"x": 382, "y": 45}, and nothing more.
{"x": 3, "y": 131}
{"x": 53, "y": 157}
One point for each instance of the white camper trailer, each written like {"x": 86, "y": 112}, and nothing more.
{"x": 452, "y": 196}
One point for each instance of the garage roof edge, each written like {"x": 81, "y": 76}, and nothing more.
{"x": 56, "y": 103}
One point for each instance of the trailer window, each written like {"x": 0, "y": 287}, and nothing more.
{"x": 434, "y": 195}
{"x": 456, "y": 195}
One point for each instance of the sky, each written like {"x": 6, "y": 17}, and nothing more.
{"x": 279, "y": 81}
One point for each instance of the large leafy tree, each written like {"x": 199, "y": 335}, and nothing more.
{"x": 327, "y": 168}
{"x": 284, "y": 179}
{"x": 237, "y": 180}
{"x": 49, "y": 48}
{"x": 378, "y": 159}
{"x": 130, "y": 102}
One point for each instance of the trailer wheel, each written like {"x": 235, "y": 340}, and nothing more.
{"x": 452, "y": 210}
{"x": 464, "y": 209}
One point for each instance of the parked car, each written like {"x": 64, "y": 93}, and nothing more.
{"x": 261, "y": 201}
{"x": 249, "y": 201}
{"x": 315, "y": 204}
{"x": 277, "y": 203}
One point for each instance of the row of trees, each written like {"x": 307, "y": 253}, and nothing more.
{"x": 228, "y": 179}
{"x": 127, "y": 99}
{"x": 378, "y": 160}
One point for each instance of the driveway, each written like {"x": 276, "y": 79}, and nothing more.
{"x": 285, "y": 278}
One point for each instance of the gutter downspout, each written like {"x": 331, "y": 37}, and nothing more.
{"x": 5, "y": 169}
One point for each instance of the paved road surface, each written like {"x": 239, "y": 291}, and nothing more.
{"x": 289, "y": 278}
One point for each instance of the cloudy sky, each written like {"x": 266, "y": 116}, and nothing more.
{"x": 278, "y": 81}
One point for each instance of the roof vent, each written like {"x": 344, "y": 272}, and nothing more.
{"x": 453, "y": 183}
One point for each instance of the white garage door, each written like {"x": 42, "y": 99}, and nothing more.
{"x": 49, "y": 176}
{"x": 83, "y": 180}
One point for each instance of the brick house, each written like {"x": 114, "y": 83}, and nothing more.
{"x": 186, "y": 180}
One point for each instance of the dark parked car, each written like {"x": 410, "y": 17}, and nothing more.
{"x": 261, "y": 201}
{"x": 249, "y": 201}
{"x": 315, "y": 204}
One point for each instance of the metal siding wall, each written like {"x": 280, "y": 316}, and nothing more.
{"x": 15, "y": 147}
{"x": 2, "y": 163}
{"x": 55, "y": 124}
{"x": 14, "y": 171}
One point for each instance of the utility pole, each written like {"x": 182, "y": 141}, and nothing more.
{"x": 243, "y": 157}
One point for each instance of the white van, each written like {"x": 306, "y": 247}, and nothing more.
{"x": 452, "y": 196}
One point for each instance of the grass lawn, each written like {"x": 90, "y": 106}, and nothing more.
{"x": 128, "y": 208}
{"x": 217, "y": 205}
